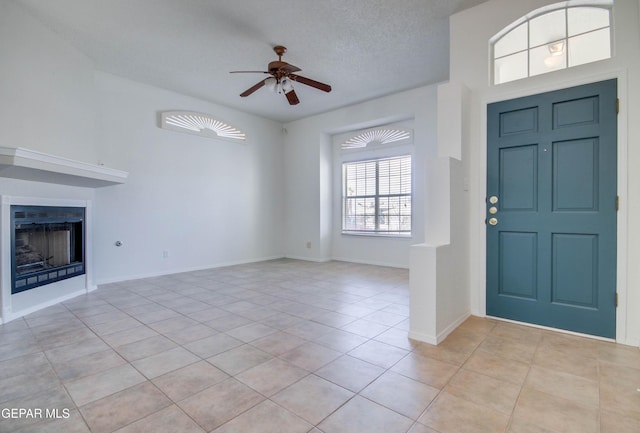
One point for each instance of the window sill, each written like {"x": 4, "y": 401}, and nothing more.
{"x": 378, "y": 235}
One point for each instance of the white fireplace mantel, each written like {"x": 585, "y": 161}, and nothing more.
{"x": 26, "y": 164}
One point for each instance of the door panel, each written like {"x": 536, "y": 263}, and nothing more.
{"x": 574, "y": 270}
{"x": 581, "y": 111}
{"x": 519, "y": 178}
{"x": 551, "y": 237}
{"x": 575, "y": 175}
{"x": 518, "y": 257}
{"x": 519, "y": 121}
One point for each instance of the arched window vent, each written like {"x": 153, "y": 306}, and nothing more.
{"x": 201, "y": 124}
{"x": 376, "y": 136}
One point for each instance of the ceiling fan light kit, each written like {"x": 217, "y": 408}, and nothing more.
{"x": 285, "y": 85}
{"x": 282, "y": 78}
{"x": 271, "y": 83}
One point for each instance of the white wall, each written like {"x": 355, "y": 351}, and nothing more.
{"x": 46, "y": 89}
{"x": 206, "y": 202}
{"x": 313, "y": 200}
{"x": 469, "y": 66}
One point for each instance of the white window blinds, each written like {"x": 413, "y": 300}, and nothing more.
{"x": 377, "y": 196}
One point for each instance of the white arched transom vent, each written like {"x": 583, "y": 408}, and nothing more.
{"x": 554, "y": 37}
{"x": 376, "y": 136}
{"x": 200, "y": 124}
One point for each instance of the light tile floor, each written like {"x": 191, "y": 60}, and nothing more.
{"x": 290, "y": 346}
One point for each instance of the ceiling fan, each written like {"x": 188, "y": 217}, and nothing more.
{"x": 282, "y": 76}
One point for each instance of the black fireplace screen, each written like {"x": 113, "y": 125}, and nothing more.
{"x": 47, "y": 245}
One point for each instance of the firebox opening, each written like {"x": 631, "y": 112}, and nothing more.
{"x": 47, "y": 245}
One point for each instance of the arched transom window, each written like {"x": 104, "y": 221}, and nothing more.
{"x": 554, "y": 37}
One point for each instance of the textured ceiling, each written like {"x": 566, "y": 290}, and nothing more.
{"x": 362, "y": 48}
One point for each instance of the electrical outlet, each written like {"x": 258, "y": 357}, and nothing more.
{"x": 165, "y": 254}
{"x": 309, "y": 244}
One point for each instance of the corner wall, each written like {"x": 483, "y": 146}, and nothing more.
{"x": 439, "y": 272}
{"x": 312, "y": 204}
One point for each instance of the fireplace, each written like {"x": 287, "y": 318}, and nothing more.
{"x": 55, "y": 260}
{"x": 47, "y": 245}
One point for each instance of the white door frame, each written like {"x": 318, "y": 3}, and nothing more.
{"x": 494, "y": 95}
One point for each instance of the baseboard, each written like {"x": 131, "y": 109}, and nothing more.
{"x": 369, "y": 262}
{"x": 424, "y": 338}
{"x": 441, "y": 336}
{"x": 452, "y": 327}
{"x": 630, "y": 342}
{"x": 9, "y": 316}
{"x": 181, "y": 270}
{"x": 308, "y": 259}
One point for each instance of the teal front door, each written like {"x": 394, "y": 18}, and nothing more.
{"x": 551, "y": 209}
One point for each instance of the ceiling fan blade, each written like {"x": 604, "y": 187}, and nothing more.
{"x": 252, "y": 89}
{"x": 292, "y": 97}
{"x": 249, "y": 72}
{"x": 309, "y": 82}
{"x": 289, "y": 68}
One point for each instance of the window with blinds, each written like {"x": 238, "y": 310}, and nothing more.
{"x": 377, "y": 196}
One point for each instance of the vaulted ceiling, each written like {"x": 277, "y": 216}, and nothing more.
{"x": 362, "y": 48}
